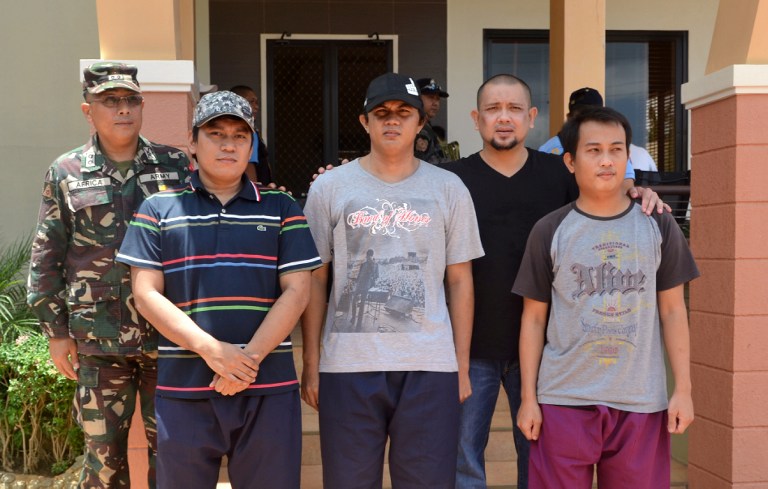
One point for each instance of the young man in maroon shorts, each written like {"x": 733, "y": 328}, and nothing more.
{"x": 604, "y": 282}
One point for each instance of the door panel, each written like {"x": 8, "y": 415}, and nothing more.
{"x": 316, "y": 91}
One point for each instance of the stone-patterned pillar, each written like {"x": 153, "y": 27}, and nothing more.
{"x": 728, "y": 443}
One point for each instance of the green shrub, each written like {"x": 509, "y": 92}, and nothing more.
{"x": 36, "y": 424}
{"x": 37, "y": 431}
{"x": 15, "y": 316}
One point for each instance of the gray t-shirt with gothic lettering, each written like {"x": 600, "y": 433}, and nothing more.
{"x": 601, "y": 275}
{"x": 390, "y": 244}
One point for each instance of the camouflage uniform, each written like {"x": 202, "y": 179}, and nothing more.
{"x": 78, "y": 290}
{"x": 427, "y": 146}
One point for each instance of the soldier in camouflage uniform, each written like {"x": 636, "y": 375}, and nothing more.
{"x": 427, "y": 145}
{"x": 80, "y": 294}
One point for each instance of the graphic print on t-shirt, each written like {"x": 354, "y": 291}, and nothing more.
{"x": 384, "y": 291}
{"x": 614, "y": 292}
{"x": 389, "y": 218}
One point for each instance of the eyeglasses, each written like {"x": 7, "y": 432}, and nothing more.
{"x": 111, "y": 101}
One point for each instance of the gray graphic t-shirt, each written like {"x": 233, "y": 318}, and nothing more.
{"x": 601, "y": 275}
{"x": 390, "y": 245}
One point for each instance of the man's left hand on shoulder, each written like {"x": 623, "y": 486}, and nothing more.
{"x": 650, "y": 200}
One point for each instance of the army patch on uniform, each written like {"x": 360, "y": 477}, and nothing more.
{"x": 94, "y": 182}
{"x": 159, "y": 177}
{"x": 48, "y": 190}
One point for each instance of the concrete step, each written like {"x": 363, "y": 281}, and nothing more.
{"x": 499, "y": 475}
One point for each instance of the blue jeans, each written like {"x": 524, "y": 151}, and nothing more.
{"x": 475, "y": 421}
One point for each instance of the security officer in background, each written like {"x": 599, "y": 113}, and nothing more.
{"x": 80, "y": 294}
{"x": 427, "y": 146}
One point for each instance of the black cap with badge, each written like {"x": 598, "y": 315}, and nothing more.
{"x": 392, "y": 86}
{"x": 430, "y": 86}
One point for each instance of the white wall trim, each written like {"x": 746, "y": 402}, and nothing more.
{"x": 727, "y": 82}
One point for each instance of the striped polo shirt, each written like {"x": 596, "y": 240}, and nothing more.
{"x": 221, "y": 265}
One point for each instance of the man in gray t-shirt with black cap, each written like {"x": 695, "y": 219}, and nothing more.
{"x": 398, "y": 367}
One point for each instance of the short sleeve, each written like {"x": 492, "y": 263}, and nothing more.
{"x": 297, "y": 249}
{"x": 630, "y": 171}
{"x": 536, "y": 274}
{"x": 677, "y": 264}
{"x": 317, "y": 212}
{"x": 141, "y": 246}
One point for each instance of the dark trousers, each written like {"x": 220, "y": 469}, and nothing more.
{"x": 417, "y": 411}
{"x": 260, "y": 435}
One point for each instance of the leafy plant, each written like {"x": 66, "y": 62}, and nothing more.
{"x": 16, "y": 317}
{"x": 37, "y": 430}
{"x": 36, "y": 425}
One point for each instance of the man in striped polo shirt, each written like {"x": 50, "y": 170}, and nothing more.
{"x": 222, "y": 269}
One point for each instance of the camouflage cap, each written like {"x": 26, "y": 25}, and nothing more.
{"x": 106, "y": 75}
{"x": 221, "y": 103}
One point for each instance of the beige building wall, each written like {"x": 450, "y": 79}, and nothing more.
{"x": 466, "y": 21}
{"x": 40, "y": 95}
{"x": 43, "y": 41}
{"x": 202, "y": 42}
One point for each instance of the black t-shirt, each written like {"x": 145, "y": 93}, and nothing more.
{"x": 507, "y": 208}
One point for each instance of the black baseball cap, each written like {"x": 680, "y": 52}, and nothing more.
{"x": 392, "y": 86}
{"x": 429, "y": 85}
{"x": 585, "y": 96}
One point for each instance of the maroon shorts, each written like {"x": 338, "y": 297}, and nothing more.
{"x": 629, "y": 449}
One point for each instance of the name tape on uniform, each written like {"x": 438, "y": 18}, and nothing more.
{"x": 94, "y": 182}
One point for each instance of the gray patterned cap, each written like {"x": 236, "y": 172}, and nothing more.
{"x": 217, "y": 104}
{"x": 106, "y": 75}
